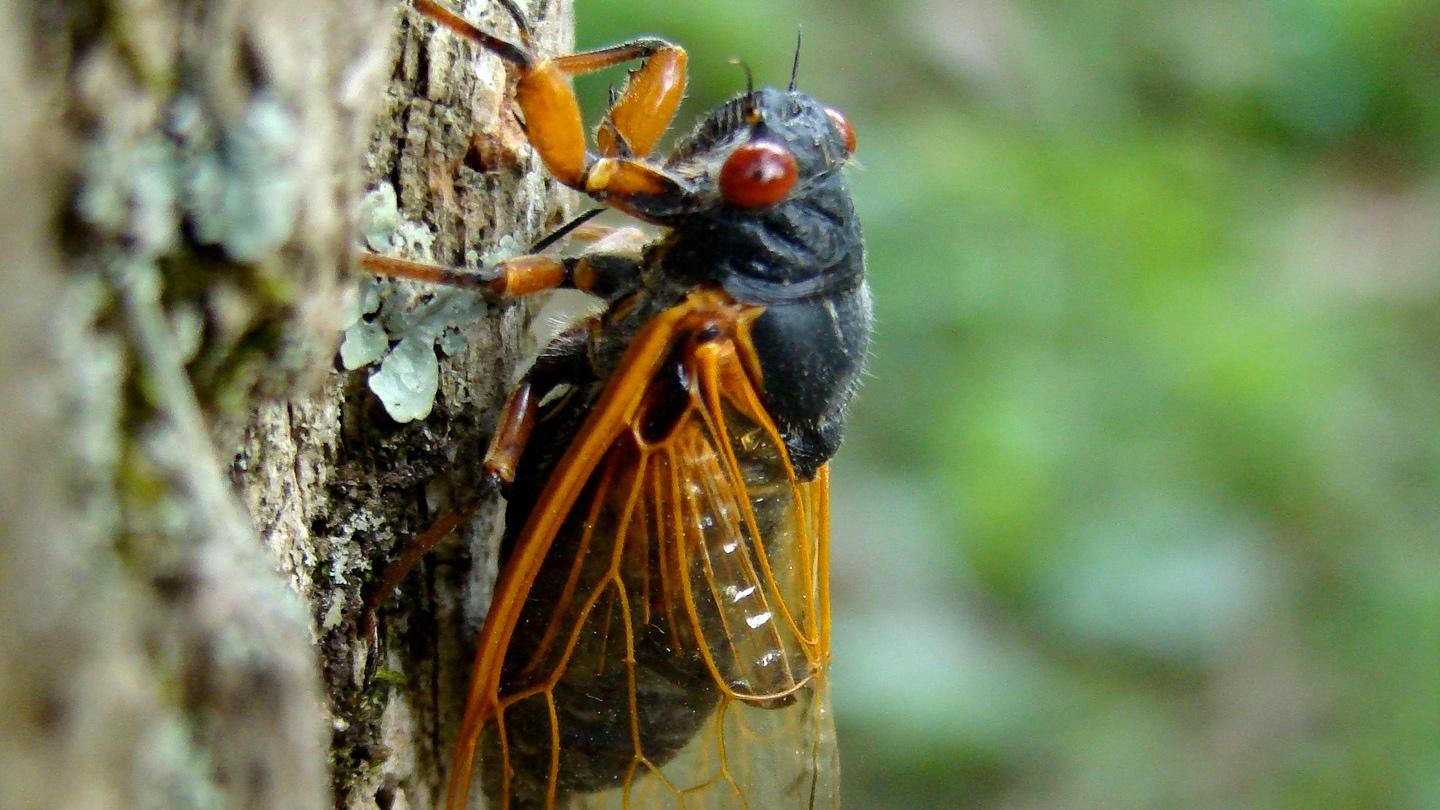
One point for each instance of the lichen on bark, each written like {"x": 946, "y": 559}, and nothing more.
{"x": 196, "y": 490}
{"x": 346, "y": 483}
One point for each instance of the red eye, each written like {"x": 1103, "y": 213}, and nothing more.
{"x": 757, "y": 174}
{"x": 844, "y": 126}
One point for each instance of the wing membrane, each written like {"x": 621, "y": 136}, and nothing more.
{"x": 662, "y": 633}
{"x": 751, "y": 568}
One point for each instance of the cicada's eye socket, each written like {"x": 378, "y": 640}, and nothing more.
{"x": 757, "y": 174}
{"x": 842, "y": 124}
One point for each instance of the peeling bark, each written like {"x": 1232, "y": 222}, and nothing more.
{"x": 195, "y": 492}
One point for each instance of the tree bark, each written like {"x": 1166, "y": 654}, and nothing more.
{"x": 196, "y": 489}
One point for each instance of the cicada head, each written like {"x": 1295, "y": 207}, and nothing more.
{"x": 767, "y": 212}
{"x": 761, "y": 149}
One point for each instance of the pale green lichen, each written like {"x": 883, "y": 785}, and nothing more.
{"x": 334, "y": 615}
{"x": 507, "y": 247}
{"x": 187, "y": 330}
{"x": 364, "y": 343}
{"x": 174, "y": 771}
{"x": 383, "y": 230}
{"x": 408, "y": 379}
{"x": 242, "y": 186}
{"x": 414, "y": 240}
{"x": 238, "y": 187}
{"x": 379, "y": 218}
{"x": 365, "y": 340}
{"x": 409, "y": 375}
{"x": 365, "y": 301}
{"x": 130, "y": 190}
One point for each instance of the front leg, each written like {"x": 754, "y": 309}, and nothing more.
{"x": 643, "y": 110}
{"x": 633, "y": 125}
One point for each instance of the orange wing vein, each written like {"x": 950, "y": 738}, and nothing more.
{"x": 660, "y": 635}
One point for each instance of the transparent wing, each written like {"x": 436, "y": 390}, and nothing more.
{"x": 671, "y": 649}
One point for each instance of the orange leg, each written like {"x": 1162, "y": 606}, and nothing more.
{"x": 608, "y": 268}
{"x": 505, "y": 449}
{"x": 630, "y": 129}
{"x": 609, "y": 265}
{"x": 646, "y": 105}
{"x": 564, "y": 361}
{"x": 521, "y": 275}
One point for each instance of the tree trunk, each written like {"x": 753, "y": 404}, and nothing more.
{"x": 196, "y": 489}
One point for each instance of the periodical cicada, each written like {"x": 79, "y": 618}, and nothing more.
{"x": 660, "y": 631}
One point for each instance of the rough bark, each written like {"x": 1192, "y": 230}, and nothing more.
{"x": 195, "y": 490}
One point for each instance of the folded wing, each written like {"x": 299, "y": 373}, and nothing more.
{"x": 660, "y": 634}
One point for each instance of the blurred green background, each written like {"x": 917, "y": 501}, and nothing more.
{"x": 1140, "y": 505}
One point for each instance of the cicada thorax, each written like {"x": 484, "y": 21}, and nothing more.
{"x": 668, "y": 592}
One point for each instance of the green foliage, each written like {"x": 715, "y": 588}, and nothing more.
{"x": 1140, "y": 507}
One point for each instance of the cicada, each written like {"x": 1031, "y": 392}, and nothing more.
{"x": 660, "y": 630}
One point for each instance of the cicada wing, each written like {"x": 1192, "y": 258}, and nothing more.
{"x": 669, "y": 650}
{"x": 750, "y": 555}
{"x": 754, "y": 562}
{"x": 741, "y": 544}
{"x": 782, "y": 757}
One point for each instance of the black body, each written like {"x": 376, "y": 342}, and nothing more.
{"x": 803, "y": 260}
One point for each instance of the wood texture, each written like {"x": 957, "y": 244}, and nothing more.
{"x": 194, "y": 493}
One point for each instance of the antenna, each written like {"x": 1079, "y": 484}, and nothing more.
{"x": 749, "y": 77}
{"x": 795, "y": 66}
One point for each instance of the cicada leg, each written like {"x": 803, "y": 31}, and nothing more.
{"x": 517, "y": 276}
{"x": 608, "y": 268}
{"x": 564, "y": 362}
{"x": 639, "y": 114}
